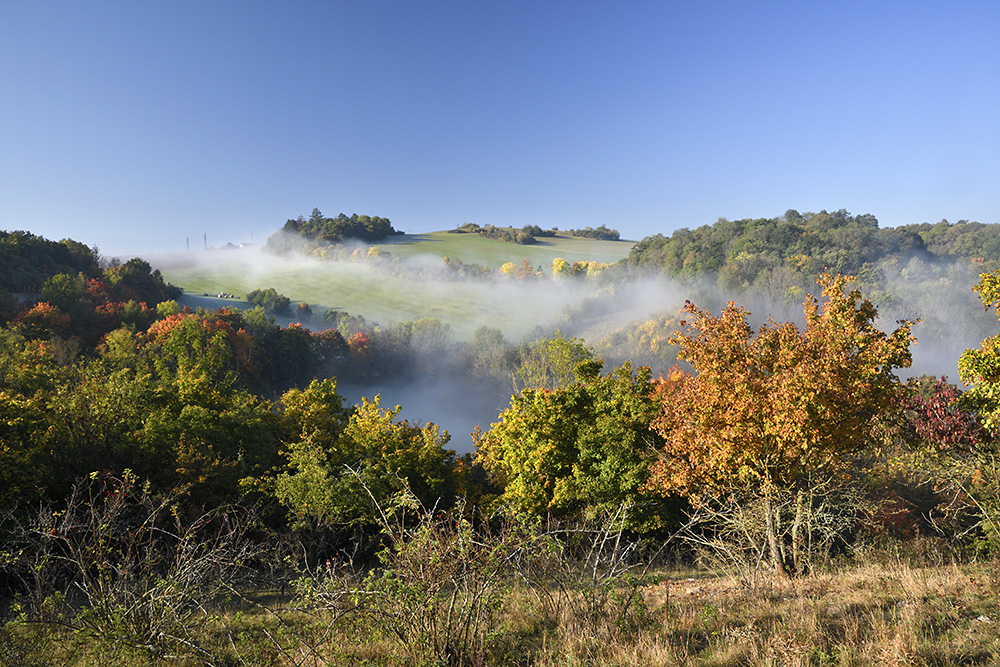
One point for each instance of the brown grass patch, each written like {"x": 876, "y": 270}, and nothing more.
{"x": 856, "y": 615}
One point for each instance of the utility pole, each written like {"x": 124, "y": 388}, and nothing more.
{"x": 189, "y": 244}
{"x": 206, "y": 240}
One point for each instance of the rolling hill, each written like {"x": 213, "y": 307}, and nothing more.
{"x": 411, "y": 287}
{"x": 474, "y": 249}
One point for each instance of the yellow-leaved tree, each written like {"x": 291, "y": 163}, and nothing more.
{"x": 768, "y": 413}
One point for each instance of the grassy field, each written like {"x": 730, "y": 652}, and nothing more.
{"x": 474, "y": 249}
{"x": 880, "y": 614}
{"x": 354, "y": 287}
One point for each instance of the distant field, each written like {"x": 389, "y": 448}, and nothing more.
{"x": 516, "y": 308}
{"x": 474, "y": 249}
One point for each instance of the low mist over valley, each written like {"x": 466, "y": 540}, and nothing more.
{"x": 452, "y": 338}
{"x": 623, "y": 305}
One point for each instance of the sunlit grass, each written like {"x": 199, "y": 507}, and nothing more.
{"x": 474, "y": 249}
{"x": 873, "y": 614}
{"x": 383, "y": 297}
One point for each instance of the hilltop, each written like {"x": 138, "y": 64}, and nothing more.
{"x": 407, "y": 278}
{"x": 474, "y": 249}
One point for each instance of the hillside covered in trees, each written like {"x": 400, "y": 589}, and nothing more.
{"x": 796, "y": 247}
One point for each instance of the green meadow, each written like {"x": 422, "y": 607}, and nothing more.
{"x": 384, "y": 296}
{"x": 475, "y": 249}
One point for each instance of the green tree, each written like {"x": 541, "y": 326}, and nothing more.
{"x": 980, "y": 368}
{"x": 137, "y": 280}
{"x": 394, "y": 452}
{"x": 316, "y": 217}
{"x": 64, "y": 291}
{"x": 31, "y": 458}
{"x": 584, "y": 448}
{"x": 553, "y": 362}
{"x": 270, "y": 301}
{"x": 341, "y": 460}
{"x": 198, "y": 354}
{"x": 489, "y": 355}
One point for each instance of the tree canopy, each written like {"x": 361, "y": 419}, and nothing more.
{"x": 795, "y": 248}
{"x": 318, "y": 229}
{"x": 583, "y": 447}
{"x": 766, "y": 412}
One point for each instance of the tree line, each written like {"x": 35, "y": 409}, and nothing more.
{"x": 798, "y": 246}
{"x": 527, "y": 235}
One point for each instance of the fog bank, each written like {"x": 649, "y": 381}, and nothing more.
{"x": 390, "y": 291}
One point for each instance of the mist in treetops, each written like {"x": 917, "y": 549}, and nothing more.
{"x": 455, "y": 337}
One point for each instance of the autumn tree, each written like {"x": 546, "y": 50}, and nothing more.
{"x": 44, "y": 321}
{"x": 929, "y": 463}
{"x": 767, "y": 414}
{"x": 942, "y": 423}
{"x": 304, "y": 312}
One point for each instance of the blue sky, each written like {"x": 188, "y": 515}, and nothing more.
{"x": 136, "y": 126}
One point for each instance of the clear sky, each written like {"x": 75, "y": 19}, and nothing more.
{"x": 135, "y": 126}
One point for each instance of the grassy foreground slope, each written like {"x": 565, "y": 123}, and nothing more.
{"x": 516, "y": 307}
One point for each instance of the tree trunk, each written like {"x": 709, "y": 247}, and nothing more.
{"x": 772, "y": 540}
{"x": 779, "y": 531}
{"x": 797, "y": 551}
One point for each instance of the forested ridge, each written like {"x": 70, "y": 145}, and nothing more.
{"x": 130, "y": 425}
{"x": 777, "y": 257}
{"x": 744, "y": 253}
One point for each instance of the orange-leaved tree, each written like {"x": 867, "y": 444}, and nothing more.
{"x": 768, "y": 413}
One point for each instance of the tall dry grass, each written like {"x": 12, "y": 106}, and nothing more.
{"x": 443, "y": 594}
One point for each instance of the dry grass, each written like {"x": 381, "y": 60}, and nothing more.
{"x": 868, "y": 615}
{"x": 892, "y": 614}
